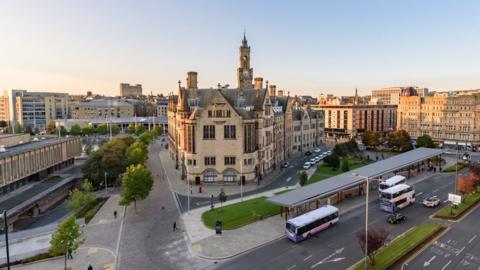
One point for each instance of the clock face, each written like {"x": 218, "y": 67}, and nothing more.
{"x": 245, "y": 73}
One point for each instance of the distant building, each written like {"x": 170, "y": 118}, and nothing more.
{"x": 391, "y": 95}
{"x": 448, "y": 117}
{"x": 162, "y": 107}
{"x": 36, "y": 109}
{"x": 101, "y": 108}
{"x": 127, "y": 90}
{"x": 4, "y": 107}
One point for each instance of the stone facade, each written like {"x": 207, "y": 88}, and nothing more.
{"x": 127, "y": 90}
{"x": 101, "y": 108}
{"x": 221, "y": 135}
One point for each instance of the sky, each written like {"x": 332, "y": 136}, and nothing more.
{"x": 305, "y": 47}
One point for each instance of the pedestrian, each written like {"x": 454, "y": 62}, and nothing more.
{"x": 174, "y": 226}
{"x": 115, "y": 214}
{"x": 90, "y": 267}
{"x": 69, "y": 255}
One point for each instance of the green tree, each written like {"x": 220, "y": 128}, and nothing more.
{"x": 88, "y": 130}
{"x": 67, "y": 237}
{"x": 425, "y": 141}
{"x": 303, "y": 178}
{"x": 145, "y": 138}
{"x": 333, "y": 161}
{"x": 76, "y": 130}
{"x": 81, "y": 198}
{"x": 137, "y": 183}
{"x": 115, "y": 129}
{"x": 113, "y": 157}
{"x": 136, "y": 153}
{"x": 131, "y": 129}
{"x": 63, "y": 131}
{"x": 400, "y": 140}
{"x": 128, "y": 140}
{"x": 139, "y": 129}
{"x": 51, "y": 128}
{"x": 3, "y": 123}
{"x": 92, "y": 168}
{"x": 103, "y": 129}
{"x": 88, "y": 149}
{"x": 371, "y": 138}
{"x": 345, "y": 165}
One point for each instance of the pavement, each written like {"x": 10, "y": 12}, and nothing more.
{"x": 100, "y": 246}
{"x": 459, "y": 248}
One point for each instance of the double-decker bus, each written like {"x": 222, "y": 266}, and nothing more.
{"x": 396, "y": 197}
{"x": 392, "y": 181}
{"x": 308, "y": 224}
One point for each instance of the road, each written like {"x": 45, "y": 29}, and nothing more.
{"x": 148, "y": 241}
{"x": 459, "y": 248}
{"x": 337, "y": 247}
{"x": 289, "y": 177}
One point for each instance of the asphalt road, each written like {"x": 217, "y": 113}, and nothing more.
{"x": 289, "y": 177}
{"x": 337, "y": 247}
{"x": 459, "y": 248}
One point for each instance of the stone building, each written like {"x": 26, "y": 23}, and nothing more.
{"x": 127, "y": 90}
{"x": 223, "y": 135}
{"x": 391, "y": 95}
{"x": 101, "y": 108}
{"x": 450, "y": 118}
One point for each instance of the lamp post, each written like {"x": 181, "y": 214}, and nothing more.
{"x": 366, "y": 216}
{"x": 105, "y": 183}
{"x": 241, "y": 179}
{"x": 5, "y": 228}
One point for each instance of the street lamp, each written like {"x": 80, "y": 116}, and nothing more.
{"x": 106, "y": 184}
{"x": 366, "y": 216}
{"x": 5, "y": 228}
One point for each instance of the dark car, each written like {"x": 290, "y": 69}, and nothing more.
{"x": 308, "y": 153}
{"x": 396, "y": 218}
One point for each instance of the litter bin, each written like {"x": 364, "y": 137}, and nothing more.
{"x": 218, "y": 227}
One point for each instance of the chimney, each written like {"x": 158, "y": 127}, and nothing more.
{"x": 273, "y": 90}
{"x": 192, "y": 80}
{"x": 280, "y": 93}
{"x": 258, "y": 83}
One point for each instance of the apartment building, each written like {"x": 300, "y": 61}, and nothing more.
{"x": 101, "y": 108}
{"x": 391, "y": 95}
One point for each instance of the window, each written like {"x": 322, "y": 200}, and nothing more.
{"x": 209, "y": 132}
{"x": 209, "y": 176}
{"x": 210, "y": 114}
{"x": 209, "y": 160}
{"x": 229, "y": 160}
{"x": 192, "y": 162}
{"x": 229, "y": 131}
{"x": 229, "y": 176}
{"x": 248, "y": 161}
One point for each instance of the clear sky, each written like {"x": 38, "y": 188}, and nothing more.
{"x": 305, "y": 47}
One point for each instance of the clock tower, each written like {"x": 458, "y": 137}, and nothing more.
{"x": 244, "y": 72}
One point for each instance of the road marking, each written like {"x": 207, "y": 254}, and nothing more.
{"x": 445, "y": 201}
{"x": 202, "y": 203}
{"x": 427, "y": 263}
{"x": 289, "y": 178}
{"x": 307, "y": 258}
{"x": 291, "y": 267}
{"x": 435, "y": 190}
{"x": 338, "y": 251}
{"x": 471, "y": 239}
{"x": 460, "y": 251}
{"x": 445, "y": 266}
{"x": 420, "y": 193}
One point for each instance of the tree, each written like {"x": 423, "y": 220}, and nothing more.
{"x": 333, "y": 161}
{"x": 92, "y": 168}
{"x": 136, "y": 153}
{"x": 88, "y": 130}
{"x": 345, "y": 165}
{"x": 376, "y": 239}
{"x": 303, "y": 178}
{"x": 131, "y": 129}
{"x": 81, "y": 198}
{"x": 145, "y": 138}
{"x": 88, "y": 149}
{"x": 137, "y": 183}
{"x": 466, "y": 183}
{"x": 371, "y": 138}
{"x": 67, "y": 237}
{"x": 51, "y": 128}
{"x": 128, "y": 140}
{"x": 76, "y": 130}
{"x": 115, "y": 129}
{"x": 63, "y": 131}
{"x": 400, "y": 140}
{"x": 156, "y": 131}
{"x": 139, "y": 129}
{"x": 3, "y": 123}
{"x": 222, "y": 197}
{"x": 113, "y": 157}
{"x": 425, "y": 141}
{"x": 102, "y": 129}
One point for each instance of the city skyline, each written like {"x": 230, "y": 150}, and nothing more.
{"x": 310, "y": 48}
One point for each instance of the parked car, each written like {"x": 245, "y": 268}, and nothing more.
{"x": 433, "y": 201}
{"x": 285, "y": 164}
{"x": 396, "y": 218}
{"x": 307, "y": 165}
{"x": 313, "y": 161}
{"x": 308, "y": 153}
{"x": 317, "y": 150}
{"x": 329, "y": 152}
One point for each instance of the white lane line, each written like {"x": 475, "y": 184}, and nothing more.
{"x": 291, "y": 267}
{"x": 420, "y": 193}
{"x": 289, "y": 178}
{"x": 307, "y": 258}
{"x": 445, "y": 266}
{"x": 460, "y": 251}
{"x": 445, "y": 201}
{"x": 471, "y": 239}
{"x": 435, "y": 190}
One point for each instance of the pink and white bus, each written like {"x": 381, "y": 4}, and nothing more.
{"x": 304, "y": 226}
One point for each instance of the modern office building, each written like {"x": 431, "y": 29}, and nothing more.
{"x": 391, "y": 95}
{"x": 127, "y": 90}
{"x": 450, "y": 118}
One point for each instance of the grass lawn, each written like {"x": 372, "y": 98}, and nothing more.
{"x": 316, "y": 178}
{"x": 352, "y": 162}
{"x": 468, "y": 201}
{"x": 89, "y": 211}
{"x": 452, "y": 168}
{"x": 399, "y": 247}
{"x": 240, "y": 214}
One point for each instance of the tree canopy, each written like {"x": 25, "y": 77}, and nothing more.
{"x": 400, "y": 140}
{"x": 80, "y": 198}
{"x": 371, "y": 138}
{"x": 136, "y": 153}
{"x": 67, "y": 237}
{"x": 76, "y": 130}
{"x": 376, "y": 239}
{"x": 137, "y": 183}
{"x": 303, "y": 178}
{"x": 425, "y": 141}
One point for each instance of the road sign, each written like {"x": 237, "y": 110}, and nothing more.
{"x": 454, "y": 198}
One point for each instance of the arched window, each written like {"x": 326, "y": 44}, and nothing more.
{"x": 229, "y": 176}
{"x": 209, "y": 176}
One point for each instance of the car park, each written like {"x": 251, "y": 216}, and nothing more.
{"x": 396, "y": 218}
{"x": 433, "y": 201}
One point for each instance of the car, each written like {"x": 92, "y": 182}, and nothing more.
{"x": 317, "y": 150}
{"x": 318, "y": 158}
{"x": 307, "y": 165}
{"x": 396, "y": 218}
{"x": 308, "y": 153}
{"x": 433, "y": 201}
{"x": 329, "y": 152}
{"x": 285, "y": 164}
{"x": 313, "y": 161}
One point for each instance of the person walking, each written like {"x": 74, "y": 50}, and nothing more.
{"x": 90, "y": 267}
{"x": 174, "y": 226}
{"x": 115, "y": 214}
{"x": 69, "y": 255}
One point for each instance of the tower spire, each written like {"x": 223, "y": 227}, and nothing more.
{"x": 244, "y": 41}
